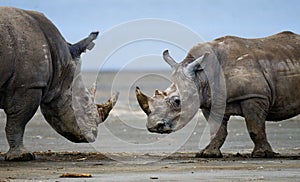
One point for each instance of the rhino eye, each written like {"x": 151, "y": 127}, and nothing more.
{"x": 176, "y": 101}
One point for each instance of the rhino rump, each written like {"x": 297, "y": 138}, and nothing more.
{"x": 36, "y": 54}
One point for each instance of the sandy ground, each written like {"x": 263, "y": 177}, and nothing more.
{"x": 126, "y": 151}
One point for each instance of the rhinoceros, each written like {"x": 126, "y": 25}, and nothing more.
{"x": 258, "y": 79}
{"x": 40, "y": 69}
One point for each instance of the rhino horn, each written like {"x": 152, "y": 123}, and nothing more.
{"x": 105, "y": 108}
{"x": 80, "y": 47}
{"x": 158, "y": 93}
{"x": 169, "y": 59}
{"x": 92, "y": 91}
{"x": 143, "y": 100}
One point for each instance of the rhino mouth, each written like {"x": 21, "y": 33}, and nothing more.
{"x": 160, "y": 131}
{"x": 80, "y": 136}
{"x": 162, "y": 127}
{"x": 91, "y": 135}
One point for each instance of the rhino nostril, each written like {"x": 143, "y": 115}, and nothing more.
{"x": 95, "y": 131}
{"x": 160, "y": 125}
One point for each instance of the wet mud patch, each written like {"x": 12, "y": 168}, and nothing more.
{"x": 97, "y": 156}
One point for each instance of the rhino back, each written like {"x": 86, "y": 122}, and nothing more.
{"x": 267, "y": 68}
{"x": 24, "y": 56}
{"x": 63, "y": 67}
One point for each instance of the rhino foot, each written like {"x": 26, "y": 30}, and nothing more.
{"x": 263, "y": 154}
{"x": 209, "y": 153}
{"x": 19, "y": 155}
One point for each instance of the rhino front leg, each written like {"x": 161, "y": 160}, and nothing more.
{"x": 218, "y": 133}
{"x": 255, "y": 112}
{"x": 21, "y": 107}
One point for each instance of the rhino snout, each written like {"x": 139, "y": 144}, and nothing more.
{"x": 160, "y": 127}
{"x": 91, "y": 135}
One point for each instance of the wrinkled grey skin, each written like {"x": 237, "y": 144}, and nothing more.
{"x": 39, "y": 68}
{"x": 258, "y": 79}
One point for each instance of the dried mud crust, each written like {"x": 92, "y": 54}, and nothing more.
{"x": 180, "y": 166}
{"x": 97, "y": 156}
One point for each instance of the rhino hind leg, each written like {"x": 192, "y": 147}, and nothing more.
{"x": 255, "y": 113}
{"x": 21, "y": 108}
{"x": 218, "y": 132}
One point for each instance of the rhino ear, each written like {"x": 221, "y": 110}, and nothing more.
{"x": 169, "y": 59}
{"x": 198, "y": 64}
{"x": 80, "y": 47}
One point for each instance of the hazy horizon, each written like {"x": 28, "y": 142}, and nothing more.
{"x": 130, "y": 40}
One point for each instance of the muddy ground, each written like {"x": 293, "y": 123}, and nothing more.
{"x": 134, "y": 161}
{"x": 49, "y": 166}
{"x": 126, "y": 151}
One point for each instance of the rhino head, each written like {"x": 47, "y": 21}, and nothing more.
{"x": 69, "y": 106}
{"x": 170, "y": 110}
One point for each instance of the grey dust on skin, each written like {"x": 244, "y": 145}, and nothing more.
{"x": 39, "y": 68}
{"x": 258, "y": 79}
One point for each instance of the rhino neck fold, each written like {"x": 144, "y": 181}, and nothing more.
{"x": 190, "y": 102}
{"x": 58, "y": 115}
{"x": 71, "y": 117}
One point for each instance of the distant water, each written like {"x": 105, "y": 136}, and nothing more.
{"x": 126, "y": 81}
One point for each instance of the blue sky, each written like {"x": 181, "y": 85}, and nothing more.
{"x": 208, "y": 18}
